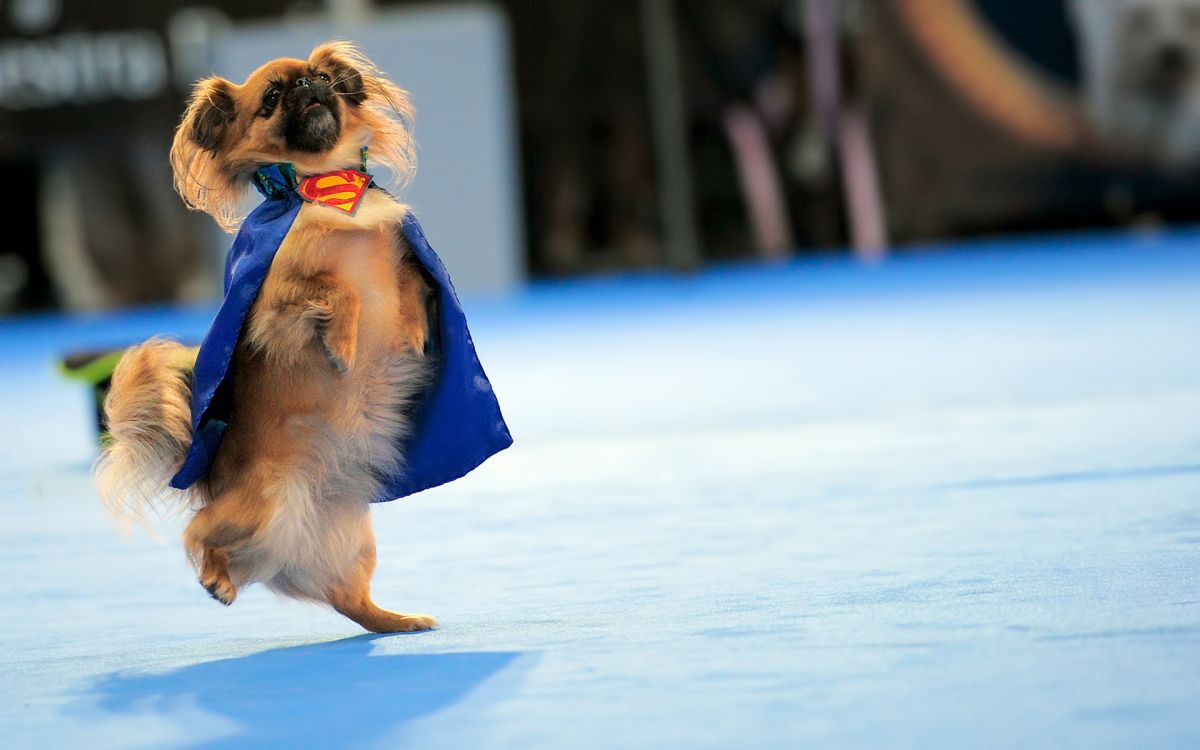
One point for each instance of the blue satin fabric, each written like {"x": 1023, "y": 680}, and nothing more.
{"x": 457, "y": 425}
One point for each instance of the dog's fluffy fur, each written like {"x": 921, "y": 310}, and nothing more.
{"x": 331, "y": 356}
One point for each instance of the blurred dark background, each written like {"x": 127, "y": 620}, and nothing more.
{"x": 647, "y": 133}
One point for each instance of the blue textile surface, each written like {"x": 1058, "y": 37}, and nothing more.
{"x": 458, "y": 424}
{"x": 952, "y": 501}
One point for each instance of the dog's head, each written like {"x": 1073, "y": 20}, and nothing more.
{"x": 1158, "y": 47}
{"x": 316, "y": 113}
{"x": 1141, "y": 64}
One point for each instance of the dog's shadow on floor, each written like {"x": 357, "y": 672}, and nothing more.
{"x": 345, "y": 693}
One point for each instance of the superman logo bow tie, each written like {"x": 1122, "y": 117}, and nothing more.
{"x": 343, "y": 189}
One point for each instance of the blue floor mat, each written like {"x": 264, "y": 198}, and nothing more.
{"x": 951, "y": 501}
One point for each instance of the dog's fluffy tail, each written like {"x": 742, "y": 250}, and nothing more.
{"x": 149, "y": 417}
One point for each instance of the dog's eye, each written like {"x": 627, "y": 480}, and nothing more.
{"x": 324, "y": 77}
{"x": 270, "y": 99}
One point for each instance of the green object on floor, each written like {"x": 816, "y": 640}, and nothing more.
{"x": 95, "y": 368}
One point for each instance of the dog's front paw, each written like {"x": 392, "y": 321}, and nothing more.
{"x": 338, "y": 361}
{"x": 414, "y": 341}
{"x": 221, "y": 589}
{"x": 339, "y": 349}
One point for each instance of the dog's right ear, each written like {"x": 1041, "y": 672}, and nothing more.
{"x": 210, "y": 113}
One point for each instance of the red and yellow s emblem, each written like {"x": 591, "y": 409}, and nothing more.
{"x": 343, "y": 189}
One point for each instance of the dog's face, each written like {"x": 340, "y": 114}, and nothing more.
{"x": 1141, "y": 60}
{"x": 300, "y": 106}
{"x": 1158, "y": 47}
{"x": 316, "y": 113}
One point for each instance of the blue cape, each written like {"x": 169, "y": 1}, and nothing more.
{"x": 457, "y": 424}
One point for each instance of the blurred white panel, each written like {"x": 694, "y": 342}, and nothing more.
{"x": 454, "y": 60}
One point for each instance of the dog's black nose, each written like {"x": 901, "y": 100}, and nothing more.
{"x": 303, "y": 82}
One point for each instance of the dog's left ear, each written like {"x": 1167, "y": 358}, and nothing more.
{"x": 343, "y": 63}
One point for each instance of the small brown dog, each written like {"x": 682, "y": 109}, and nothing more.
{"x": 330, "y": 357}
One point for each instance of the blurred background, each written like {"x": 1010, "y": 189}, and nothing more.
{"x": 561, "y": 139}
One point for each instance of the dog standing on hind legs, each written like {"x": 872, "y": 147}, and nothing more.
{"x": 339, "y": 370}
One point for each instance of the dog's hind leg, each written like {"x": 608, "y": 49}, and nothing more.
{"x": 219, "y": 529}
{"x": 214, "y": 575}
{"x": 352, "y": 598}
